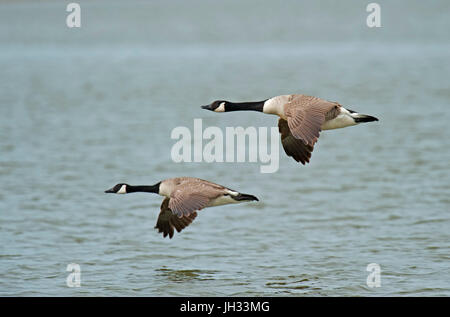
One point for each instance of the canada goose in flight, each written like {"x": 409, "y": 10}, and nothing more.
{"x": 183, "y": 197}
{"x": 301, "y": 119}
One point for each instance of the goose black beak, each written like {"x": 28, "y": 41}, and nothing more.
{"x": 207, "y": 107}
{"x": 111, "y": 190}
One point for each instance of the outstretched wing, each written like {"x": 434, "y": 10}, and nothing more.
{"x": 306, "y": 114}
{"x": 189, "y": 197}
{"x": 293, "y": 147}
{"x": 168, "y": 221}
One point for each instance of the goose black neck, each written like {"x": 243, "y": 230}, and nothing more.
{"x": 144, "y": 188}
{"x": 245, "y": 106}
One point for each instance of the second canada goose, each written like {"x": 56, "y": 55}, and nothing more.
{"x": 183, "y": 197}
{"x": 301, "y": 119}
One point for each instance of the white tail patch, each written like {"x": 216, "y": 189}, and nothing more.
{"x": 222, "y": 200}
{"x": 233, "y": 193}
{"x": 344, "y": 119}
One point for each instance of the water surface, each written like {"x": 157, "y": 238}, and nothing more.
{"x": 84, "y": 109}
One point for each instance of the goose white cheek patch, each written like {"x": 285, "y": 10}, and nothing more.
{"x": 122, "y": 190}
{"x": 220, "y": 108}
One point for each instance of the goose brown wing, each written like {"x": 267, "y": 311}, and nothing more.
{"x": 168, "y": 221}
{"x": 191, "y": 196}
{"x": 306, "y": 114}
{"x": 293, "y": 147}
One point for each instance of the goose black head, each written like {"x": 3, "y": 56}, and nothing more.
{"x": 118, "y": 189}
{"x": 216, "y": 106}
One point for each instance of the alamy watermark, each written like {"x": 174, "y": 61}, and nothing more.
{"x": 227, "y": 146}
{"x": 74, "y": 278}
{"x": 73, "y": 19}
{"x": 374, "y": 278}
{"x": 374, "y": 18}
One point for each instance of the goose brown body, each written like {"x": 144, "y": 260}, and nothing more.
{"x": 184, "y": 196}
{"x": 302, "y": 118}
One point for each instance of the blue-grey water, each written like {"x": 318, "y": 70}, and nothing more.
{"x": 85, "y": 108}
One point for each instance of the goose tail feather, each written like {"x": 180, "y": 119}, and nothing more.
{"x": 245, "y": 197}
{"x": 359, "y": 118}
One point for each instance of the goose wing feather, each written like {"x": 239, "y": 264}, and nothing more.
{"x": 293, "y": 147}
{"x": 194, "y": 195}
{"x": 168, "y": 221}
{"x": 306, "y": 114}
